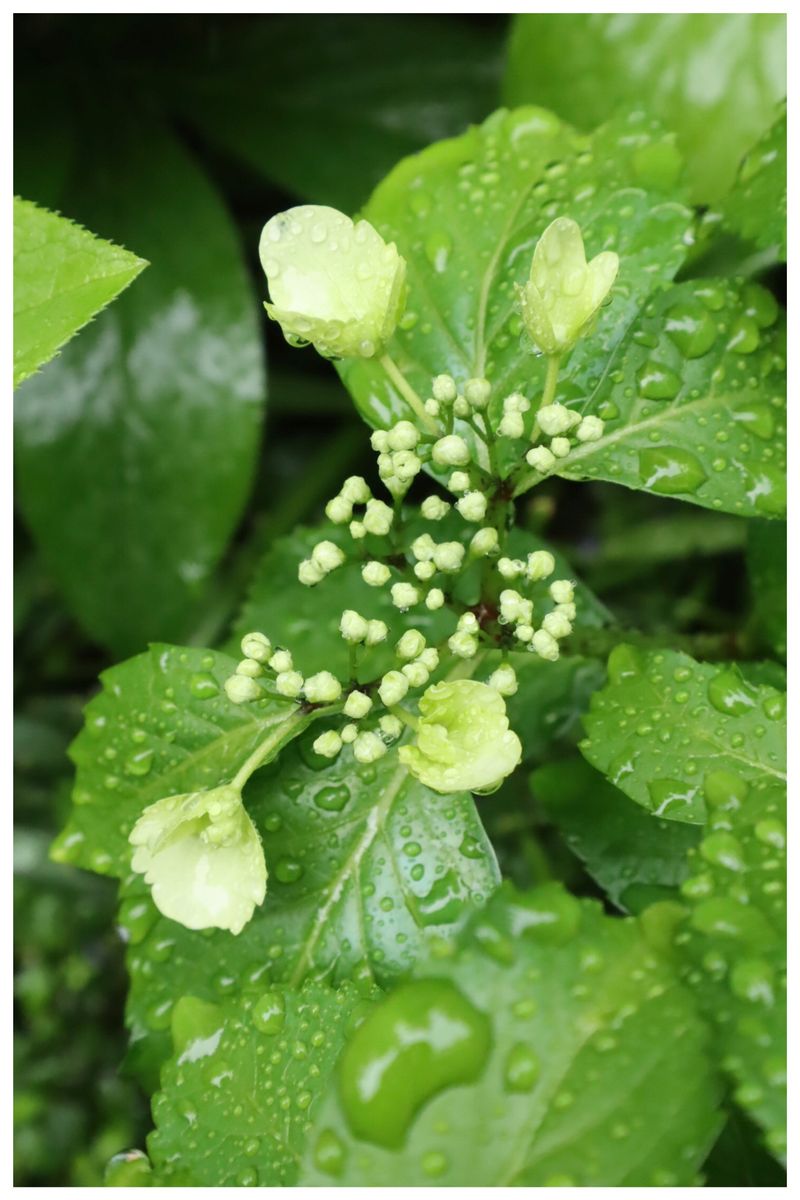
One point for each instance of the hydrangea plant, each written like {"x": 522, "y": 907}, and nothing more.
{"x": 330, "y": 981}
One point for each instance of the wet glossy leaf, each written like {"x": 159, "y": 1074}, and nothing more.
{"x": 664, "y": 721}
{"x": 136, "y": 444}
{"x": 714, "y": 78}
{"x": 287, "y": 95}
{"x": 364, "y": 863}
{"x": 247, "y": 1075}
{"x": 63, "y": 276}
{"x": 572, "y": 1057}
{"x": 467, "y": 213}
{"x": 694, "y": 402}
{"x": 756, "y": 205}
{"x": 637, "y": 859}
{"x": 161, "y": 726}
{"x": 735, "y": 941}
{"x": 551, "y": 698}
{"x": 766, "y": 561}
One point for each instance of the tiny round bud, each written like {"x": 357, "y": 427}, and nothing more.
{"x": 328, "y": 744}
{"x": 477, "y": 392}
{"x": 416, "y": 674}
{"x": 368, "y": 747}
{"x": 541, "y": 564}
{"x": 356, "y": 490}
{"x": 463, "y": 645}
{"x": 545, "y": 645}
{"x": 434, "y": 599}
{"x": 514, "y": 607}
{"x": 431, "y": 407}
{"x": 377, "y": 631}
{"x": 378, "y": 518}
{"x": 391, "y": 726}
{"x": 450, "y": 451}
{"x": 424, "y": 570}
{"x": 511, "y": 425}
{"x": 352, "y": 626}
{"x": 379, "y": 440}
{"x": 403, "y": 436}
{"x": 357, "y": 705}
{"x": 386, "y": 466}
{"x": 449, "y": 556}
{"x": 516, "y": 403}
{"x": 523, "y": 632}
{"x": 349, "y": 733}
{"x": 504, "y": 680}
{"x": 406, "y": 465}
{"x": 433, "y": 508}
{"x": 468, "y": 623}
{"x": 461, "y": 407}
{"x": 430, "y": 658}
{"x": 472, "y": 506}
{"x": 339, "y": 510}
{"x": 404, "y": 595}
{"x": 444, "y": 389}
{"x": 568, "y": 610}
{"x": 257, "y": 646}
{"x": 376, "y": 574}
{"x": 560, "y": 446}
{"x": 309, "y": 573}
{"x": 327, "y": 556}
{"x": 411, "y": 644}
{"x": 562, "y": 591}
{"x": 557, "y": 624}
{"x": 289, "y": 683}
{"x": 510, "y": 568}
{"x": 358, "y": 530}
{"x": 554, "y": 419}
{"x": 423, "y": 547}
{"x": 484, "y": 542}
{"x": 540, "y": 458}
{"x": 322, "y": 688}
{"x": 458, "y": 482}
{"x": 393, "y": 688}
{"x": 241, "y": 690}
{"x": 250, "y": 668}
{"x": 281, "y": 660}
{"x": 589, "y": 430}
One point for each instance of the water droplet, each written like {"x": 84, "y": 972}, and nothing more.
{"x": 753, "y": 979}
{"x": 438, "y": 245}
{"x": 657, "y": 382}
{"x": 521, "y": 1069}
{"x": 332, "y": 799}
{"x": 723, "y": 850}
{"x": 140, "y": 762}
{"x": 434, "y": 1163}
{"x": 675, "y": 799}
{"x": 729, "y": 693}
{"x": 670, "y": 471}
{"x": 269, "y": 1013}
{"x": 424, "y": 1037}
{"x": 744, "y": 336}
{"x": 287, "y": 870}
{"x": 443, "y": 904}
{"x": 724, "y": 790}
{"x": 691, "y": 327}
{"x": 203, "y": 686}
{"x": 329, "y": 1153}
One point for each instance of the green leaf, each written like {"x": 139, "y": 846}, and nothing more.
{"x": 766, "y": 562}
{"x": 247, "y": 1074}
{"x": 712, "y": 77}
{"x": 364, "y": 864}
{"x": 694, "y": 402}
{"x": 288, "y": 95}
{"x": 735, "y": 941}
{"x": 161, "y": 726}
{"x": 756, "y": 205}
{"x": 572, "y": 1058}
{"x": 637, "y": 859}
{"x": 135, "y": 446}
{"x": 551, "y": 698}
{"x": 466, "y": 215}
{"x": 664, "y": 721}
{"x": 63, "y": 276}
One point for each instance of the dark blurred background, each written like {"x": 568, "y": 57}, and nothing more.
{"x": 178, "y": 136}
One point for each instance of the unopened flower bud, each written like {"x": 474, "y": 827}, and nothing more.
{"x": 540, "y": 458}
{"x": 560, "y": 446}
{"x": 250, "y": 668}
{"x": 516, "y": 403}
{"x": 411, "y": 644}
{"x": 510, "y": 568}
{"x": 376, "y": 574}
{"x": 433, "y": 508}
{"x": 541, "y": 565}
{"x": 352, "y": 626}
{"x": 357, "y": 705}
{"x": 356, "y": 490}
{"x": 477, "y": 393}
{"x": 434, "y": 599}
{"x": 358, "y": 530}
{"x": 257, "y": 646}
{"x": 545, "y": 645}
{"x": 327, "y": 556}
{"x": 281, "y": 660}
{"x": 378, "y": 518}
{"x": 557, "y": 625}
{"x": 404, "y": 595}
{"x": 368, "y": 747}
{"x": 589, "y": 430}
{"x": 349, "y": 733}
{"x": 377, "y": 631}
{"x": 339, "y": 510}
{"x": 523, "y": 632}
{"x": 554, "y": 419}
{"x": 504, "y": 680}
{"x": 449, "y": 556}
{"x": 444, "y": 389}
{"x": 472, "y": 506}
{"x": 511, "y": 425}
{"x": 416, "y": 674}
{"x": 562, "y": 591}
{"x": 423, "y": 547}
{"x": 322, "y": 688}
{"x": 403, "y": 436}
{"x": 309, "y": 573}
{"x": 463, "y": 645}
{"x": 379, "y": 440}
{"x": 289, "y": 683}
{"x": 512, "y": 605}
{"x": 461, "y": 407}
{"x": 424, "y": 570}
{"x": 393, "y": 688}
{"x": 450, "y": 451}
{"x": 328, "y": 744}
{"x": 484, "y": 542}
{"x": 431, "y": 407}
{"x": 430, "y": 658}
{"x": 241, "y": 690}
{"x": 458, "y": 482}
{"x": 569, "y": 610}
{"x": 391, "y": 726}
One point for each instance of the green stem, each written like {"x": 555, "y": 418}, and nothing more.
{"x": 405, "y": 716}
{"x": 407, "y": 392}
{"x": 277, "y": 737}
{"x": 550, "y": 381}
{"x": 714, "y": 647}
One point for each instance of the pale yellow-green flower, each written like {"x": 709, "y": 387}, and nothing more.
{"x": 332, "y": 282}
{"x": 202, "y": 857}
{"x": 563, "y": 293}
{"x": 463, "y": 741}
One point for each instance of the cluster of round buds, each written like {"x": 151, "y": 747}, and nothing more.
{"x": 415, "y": 662}
{"x": 512, "y": 424}
{"x": 447, "y": 403}
{"x": 354, "y": 490}
{"x": 262, "y": 662}
{"x": 565, "y": 428}
{"x": 325, "y": 557}
{"x": 517, "y": 610}
{"x": 398, "y": 464}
